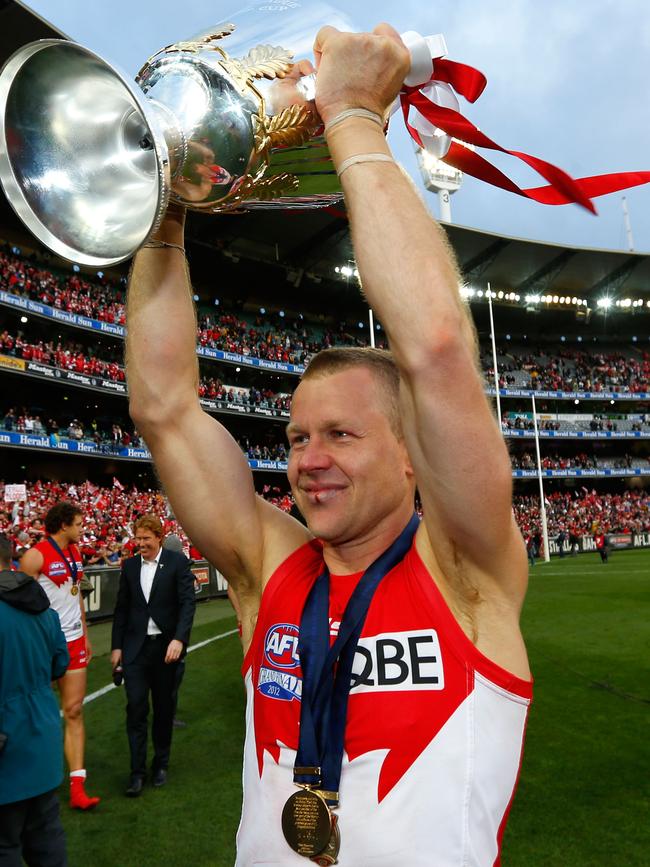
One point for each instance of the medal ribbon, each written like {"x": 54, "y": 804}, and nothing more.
{"x": 435, "y": 118}
{"x": 327, "y": 671}
{"x": 71, "y": 564}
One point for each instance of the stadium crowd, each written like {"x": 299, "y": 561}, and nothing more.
{"x": 102, "y": 300}
{"x": 110, "y": 511}
{"x": 66, "y": 355}
{"x": 581, "y": 461}
{"x": 570, "y": 370}
{"x": 595, "y": 423}
{"x": 29, "y": 421}
{"x": 69, "y": 355}
{"x": 275, "y": 338}
{"x": 578, "y": 512}
{"x": 118, "y": 434}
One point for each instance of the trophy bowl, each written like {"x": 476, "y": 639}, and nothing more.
{"x": 221, "y": 122}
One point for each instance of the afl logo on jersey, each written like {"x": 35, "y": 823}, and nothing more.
{"x": 281, "y": 646}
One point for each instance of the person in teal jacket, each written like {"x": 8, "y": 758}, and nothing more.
{"x": 33, "y": 652}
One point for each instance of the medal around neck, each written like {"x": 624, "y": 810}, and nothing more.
{"x": 224, "y": 121}
{"x": 307, "y": 823}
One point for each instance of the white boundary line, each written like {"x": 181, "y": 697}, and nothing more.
{"x": 100, "y": 692}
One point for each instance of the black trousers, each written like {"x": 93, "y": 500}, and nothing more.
{"x": 149, "y": 673}
{"x": 32, "y": 830}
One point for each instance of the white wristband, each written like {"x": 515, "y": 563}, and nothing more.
{"x": 354, "y": 112}
{"x": 363, "y": 158}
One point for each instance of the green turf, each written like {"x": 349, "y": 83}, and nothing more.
{"x": 584, "y": 793}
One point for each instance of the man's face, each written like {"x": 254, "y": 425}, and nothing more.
{"x": 74, "y": 531}
{"x": 148, "y": 543}
{"x": 347, "y": 469}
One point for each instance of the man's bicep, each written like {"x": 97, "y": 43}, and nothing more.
{"x": 459, "y": 457}
{"x": 210, "y": 487}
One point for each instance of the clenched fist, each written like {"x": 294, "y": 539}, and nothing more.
{"x": 359, "y": 70}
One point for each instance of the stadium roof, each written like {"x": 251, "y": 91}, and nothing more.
{"x": 317, "y": 242}
{"x": 19, "y": 25}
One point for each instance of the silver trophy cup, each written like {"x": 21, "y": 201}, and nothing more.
{"x": 90, "y": 161}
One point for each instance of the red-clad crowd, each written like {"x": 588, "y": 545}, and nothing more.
{"x": 110, "y": 512}
{"x": 580, "y": 512}
{"x": 100, "y": 301}
{"x": 108, "y": 516}
{"x": 64, "y": 354}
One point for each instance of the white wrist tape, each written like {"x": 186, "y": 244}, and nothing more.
{"x": 354, "y": 112}
{"x": 363, "y": 158}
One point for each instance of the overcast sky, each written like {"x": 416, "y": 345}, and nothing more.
{"x": 567, "y": 81}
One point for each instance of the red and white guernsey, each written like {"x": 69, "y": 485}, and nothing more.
{"x": 56, "y": 579}
{"x": 434, "y": 732}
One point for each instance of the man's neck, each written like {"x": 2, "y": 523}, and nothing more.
{"x": 356, "y": 555}
{"x": 61, "y": 539}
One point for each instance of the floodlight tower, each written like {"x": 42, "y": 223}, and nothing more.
{"x": 439, "y": 178}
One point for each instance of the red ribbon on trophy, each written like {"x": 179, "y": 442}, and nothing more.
{"x": 437, "y": 119}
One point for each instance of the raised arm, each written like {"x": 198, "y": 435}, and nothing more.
{"x": 411, "y": 281}
{"x": 203, "y": 470}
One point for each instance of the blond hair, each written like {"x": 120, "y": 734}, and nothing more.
{"x": 149, "y": 522}
{"x": 379, "y": 362}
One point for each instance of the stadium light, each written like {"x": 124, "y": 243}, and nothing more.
{"x": 576, "y": 401}
{"x": 480, "y": 295}
{"x": 216, "y": 302}
{"x": 24, "y": 319}
{"x": 262, "y": 310}
{"x": 604, "y": 302}
{"x": 75, "y": 268}
{"x": 195, "y": 297}
{"x": 281, "y": 314}
{"x": 238, "y": 370}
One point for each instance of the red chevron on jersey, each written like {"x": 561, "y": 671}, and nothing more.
{"x": 430, "y": 719}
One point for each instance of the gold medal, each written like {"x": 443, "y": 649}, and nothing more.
{"x": 307, "y": 823}
{"x": 74, "y": 590}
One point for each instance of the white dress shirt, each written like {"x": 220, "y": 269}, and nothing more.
{"x": 147, "y": 572}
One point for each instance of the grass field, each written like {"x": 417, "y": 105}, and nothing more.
{"x": 584, "y": 792}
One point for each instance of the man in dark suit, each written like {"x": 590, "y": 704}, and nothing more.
{"x": 151, "y": 629}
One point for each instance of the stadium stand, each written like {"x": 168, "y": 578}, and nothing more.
{"x": 248, "y": 360}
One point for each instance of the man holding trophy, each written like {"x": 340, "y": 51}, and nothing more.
{"x": 387, "y": 679}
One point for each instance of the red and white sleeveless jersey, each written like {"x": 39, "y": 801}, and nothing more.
{"x": 434, "y": 731}
{"x": 56, "y": 580}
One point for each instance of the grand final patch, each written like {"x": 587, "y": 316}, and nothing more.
{"x": 276, "y": 679}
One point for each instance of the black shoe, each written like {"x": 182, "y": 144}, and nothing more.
{"x": 134, "y": 789}
{"x": 159, "y": 777}
{"x": 179, "y": 724}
